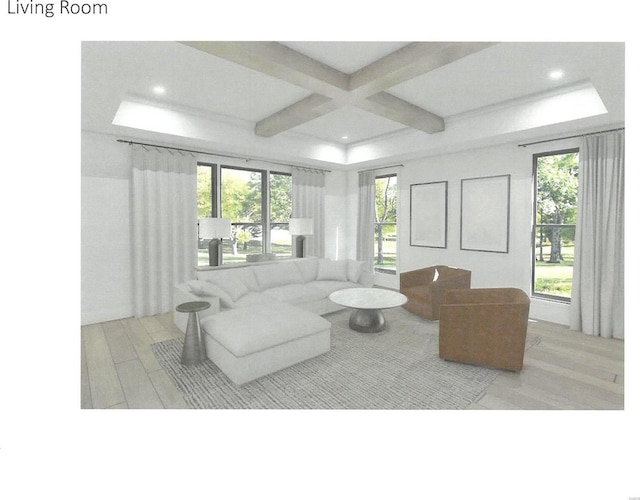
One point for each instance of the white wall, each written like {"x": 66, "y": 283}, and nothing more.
{"x": 105, "y": 254}
{"x": 105, "y": 281}
{"x": 512, "y": 269}
{"x": 105, "y": 239}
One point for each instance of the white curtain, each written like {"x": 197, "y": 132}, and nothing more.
{"x": 308, "y": 202}
{"x": 366, "y": 217}
{"x": 597, "y": 300}
{"x": 163, "y": 226}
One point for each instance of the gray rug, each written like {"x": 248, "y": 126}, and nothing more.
{"x": 395, "y": 369}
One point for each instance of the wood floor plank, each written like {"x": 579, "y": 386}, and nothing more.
{"x": 141, "y": 341}
{"x": 507, "y": 389}
{"x": 85, "y": 387}
{"x": 587, "y": 380}
{"x": 106, "y": 390}
{"x": 160, "y": 335}
{"x": 120, "y": 406}
{"x": 577, "y": 392}
{"x": 121, "y": 347}
{"x": 578, "y": 354}
{"x": 500, "y": 395}
{"x": 491, "y": 402}
{"x": 476, "y": 406}
{"x": 552, "y": 356}
{"x": 151, "y": 324}
{"x": 138, "y": 390}
{"x": 565, "y": 370}
{"x": 167, "y": 321}
{"x": 167, "y": 391}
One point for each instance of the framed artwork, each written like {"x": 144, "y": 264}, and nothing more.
{"x": 484, "y": 213}
{"x": 428, "y": 209}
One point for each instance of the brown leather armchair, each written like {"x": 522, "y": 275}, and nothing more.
{"x": 485, "y": 326}
{"x": 425, "y": 288}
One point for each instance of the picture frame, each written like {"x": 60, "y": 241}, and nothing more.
{"x": 485, "y": 213}
{"x": 428, "y": 214}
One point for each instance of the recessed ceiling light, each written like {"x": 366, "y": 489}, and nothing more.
{"x": 557, "y": 74}
{"x": 345, "y": 136}
{"x": 159, "y": 90}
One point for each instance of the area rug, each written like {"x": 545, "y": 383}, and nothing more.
{"x": 395, "y": 369}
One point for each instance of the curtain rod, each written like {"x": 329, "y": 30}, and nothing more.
{"x": 569, "y": 137}
{"x": 216, "y": 154}
{"x": 379, "y": 168}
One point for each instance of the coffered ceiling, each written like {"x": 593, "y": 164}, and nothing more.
{"x": 348, "y": 104}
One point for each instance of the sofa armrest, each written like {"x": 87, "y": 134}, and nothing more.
{"x": 366, "y": 279}
{"x": 182, "y": 294}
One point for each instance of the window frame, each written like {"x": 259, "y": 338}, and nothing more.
{"x": 377, "y": 269}
{"x": 535, "y": 226}
{"x": 265, "y": 201}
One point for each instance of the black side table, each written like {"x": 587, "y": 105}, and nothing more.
{"x": 193, "y": 349}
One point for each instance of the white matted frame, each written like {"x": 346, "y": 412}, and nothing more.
{"x": 428, "y": 211}
{"x": 484, "y": 213}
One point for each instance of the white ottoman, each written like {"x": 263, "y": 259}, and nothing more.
{"x": 247, "y": 343}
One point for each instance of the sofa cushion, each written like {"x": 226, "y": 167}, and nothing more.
{"x": 308, "y": 268}
{"x": 354, "y": 270}
{"x": 203, "y": 288}
{"x": 330, "y": 286}
{"x": 233, "y": 285}
{"x": 332, "y": 270}
{"x": 244, "y": 274}
{"x": 254, "y": 299}
{"x": 270, "y": 275}
{"x": 267, "y": 326}
{"x": 295, "y": 294}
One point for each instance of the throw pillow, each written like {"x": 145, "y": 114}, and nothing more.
{"x": 233, "y": 285}
{"x": 207, "y": 289}
{"x": 308, "y": 268}
{"x": 334, "y": 270}
{"x": 354, "y": 270}
{"x": 271, "y": 275}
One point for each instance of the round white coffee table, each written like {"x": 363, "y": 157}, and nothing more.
{"x": 367, "y": 305}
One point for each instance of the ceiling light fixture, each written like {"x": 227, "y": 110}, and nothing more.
{"x": 159, "y": 90}
{"x": 345, "y": 136}
{"x": 556, "y": 75}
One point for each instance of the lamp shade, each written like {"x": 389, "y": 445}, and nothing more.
{"x": 213, "y": 227}
{"x": 300, "y": 226}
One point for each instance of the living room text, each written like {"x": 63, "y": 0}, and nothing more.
{"x": 64, "y": 7}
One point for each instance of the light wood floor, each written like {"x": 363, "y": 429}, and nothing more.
{"x": 567, "y": 370}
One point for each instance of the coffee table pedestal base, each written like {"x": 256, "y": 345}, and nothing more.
{"x": 367, "y": 320}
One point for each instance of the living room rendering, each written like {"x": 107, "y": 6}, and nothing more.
{"x": 352, "y": 225}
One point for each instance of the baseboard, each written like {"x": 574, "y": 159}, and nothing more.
{"x": 91, "y": 317}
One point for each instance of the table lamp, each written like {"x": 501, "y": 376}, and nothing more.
{"x": 300, "y": 227}
{"x": 214, "y": 229}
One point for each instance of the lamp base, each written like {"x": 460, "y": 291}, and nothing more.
{"x": 215, "y": 252}
{"x": 299, "y": 246}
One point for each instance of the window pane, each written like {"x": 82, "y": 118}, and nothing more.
{"x": 206, "y": 206}
{"x": 280, "y": 212}
{"x": 241, "y": 192}
{"x": 385, "y": 229}
{"x": 554, "y": 274}
{"x": 556, "y": 210}
{"x": 205, "y": 198}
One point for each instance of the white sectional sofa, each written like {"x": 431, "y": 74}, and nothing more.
{"x": 267, "y": 316}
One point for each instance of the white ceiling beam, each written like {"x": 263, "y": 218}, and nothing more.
{"x": 409, "y": 62}
{"x": 298, "y": 113}
{"x": 333, "y": 89}
{"x": 280, "y": 61}
{"x": 401, "y": 111}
